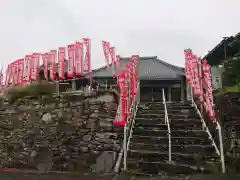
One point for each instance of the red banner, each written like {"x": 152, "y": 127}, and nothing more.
{"x": 188, "y": 57}
{"x": 1, "y": 78}
{"x": 106, "y": 46}
{"x": 52, "y": 61}
{"x": 71, "y": 55}
{"x": 10, "y": 74}
{"x": 15, "y": 72}
{"x": 20, "y": 71}
{"x": 79, "y": 58}
{"x": 112, "y": 54}
{"x": 132, "y": 77}
{"x": 192, "y": 74}
{"x": 45, "y": 58}
{"x": 127, "y": 82}
{"x": 7, "y": 76}
{"x": 195, "y": 75}
{"x": 117, "y": 63}
{"x": 87, "y": 65}
{"x": 61, "y": 62}
{"x": 35, "y": 66}
{"x": 195, "y": 70}
{"x": 136, "y": 66}
{"x": 27, "y": 69}
{"x": 208, "y": 85}
{"x": 200, "y": 80}
{"x": 122, "y": 85}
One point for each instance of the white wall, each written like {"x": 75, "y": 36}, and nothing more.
{"x": 217, "y": 76}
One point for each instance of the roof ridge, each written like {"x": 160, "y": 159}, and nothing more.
{"x": 154, "y": 58}
{"x": 168, "y": 64}
{"x": 124, "y": 58}
{"x": 140, "y": 57}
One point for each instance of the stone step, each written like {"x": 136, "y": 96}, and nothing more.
{"x": 184, "y": 158}
{"x": 182, "y": 140}
{"x": 161, "y": 107}
{"x": 158, "y": 120}
{"x": 168, "y": 103}
{"x": 173, "y": 115}
{"x": 169, "y": 106}
{"x": 174, "y": 125}
{"x": 162, "y": 110}
{"x": 164, "y": 168}
{"x": 150, "y": 115}
{"x": 150, "y": 124}
{"x": 159, "y": 168}
{"x": 170, "y": 113}
{"x": 203, "y": 149}
{"x": 145, "y": 131}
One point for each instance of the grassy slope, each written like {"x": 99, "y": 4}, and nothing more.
{"x": 235, "y": 88}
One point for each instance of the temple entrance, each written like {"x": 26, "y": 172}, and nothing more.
{"x": 176, "y": 94}
{"x": 152, "y": 91}
{"x": 157, "y": 93}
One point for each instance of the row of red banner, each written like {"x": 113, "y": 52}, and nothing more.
{"x": 127, "y": 82}
{"x": 1, "y": 78}
{"x": 109, "y": 54}
{"x": 25, "y": 70}
{"x": 198, "y": 76}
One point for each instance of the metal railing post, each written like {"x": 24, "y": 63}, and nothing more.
{"x": 168, "y": 126}
{"x": 221, "y": 147}
{"x": 128, "y": 128}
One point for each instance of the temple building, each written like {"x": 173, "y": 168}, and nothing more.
{"x": 154, "y": 75}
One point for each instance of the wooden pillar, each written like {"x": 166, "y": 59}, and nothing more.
{"x": 106, "y": 85}
{"x": 189, "y": 93}
{"x": 152, "y": 94}
{"x": 169, "y": 94}
{"x": 57, "y": 88}
{"x": 74, "y": 85}
{"x": 182, "y": 90}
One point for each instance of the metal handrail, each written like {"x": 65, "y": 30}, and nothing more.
{"x": 221, "y": 152}
{"x": 206, "y": 128}
{"x": 168, "y": 125}
{"x": 128, "y": 129}
{"x": 135, "y": 108}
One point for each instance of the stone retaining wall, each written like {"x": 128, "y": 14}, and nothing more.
{"x": 66, "y": 133}
{"x": 228, "y": 114}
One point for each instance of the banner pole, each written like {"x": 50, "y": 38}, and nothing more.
{"x": 125, "y": 147}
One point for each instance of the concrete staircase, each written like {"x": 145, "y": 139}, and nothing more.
{"x": 192, "y": 151}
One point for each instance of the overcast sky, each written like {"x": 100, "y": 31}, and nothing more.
{"x": 160, "y": 28}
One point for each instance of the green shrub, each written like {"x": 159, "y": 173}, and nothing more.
{"x": 32, "y": 90}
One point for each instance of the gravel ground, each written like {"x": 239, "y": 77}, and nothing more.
{"x": 92, "y": 176}
{"x": 53, "y": 176}
{"x": 192, "y": 177}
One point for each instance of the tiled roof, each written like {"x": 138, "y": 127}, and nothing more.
{"x": 217, "y": 54}
{"x": 150, "y": 68}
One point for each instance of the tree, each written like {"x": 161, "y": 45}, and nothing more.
{"x": 232, "y": 72}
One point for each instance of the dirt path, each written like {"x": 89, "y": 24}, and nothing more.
{"x": 53, "y": 176}
{"x": 193, "y": 177}
{"x": 93, "y": 176}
